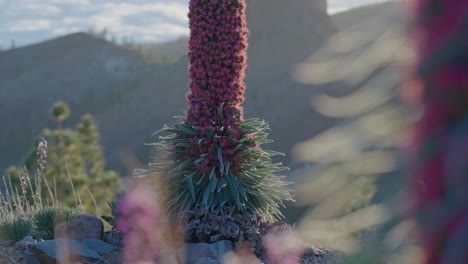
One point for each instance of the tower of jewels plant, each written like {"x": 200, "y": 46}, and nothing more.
{"x": 439, "y": 181}
{"x": 217, "y": 177}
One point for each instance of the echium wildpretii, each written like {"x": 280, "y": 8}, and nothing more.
{"x": 439, "y": 178}
{"x": 218, "y": 43}
{"x": 214, "y": 159}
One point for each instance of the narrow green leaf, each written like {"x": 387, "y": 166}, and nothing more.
{"x": 192, "y": 189}
{"x": 201, "y": 178}
{"x": 223, "y": 198}
{"x": 200, "y": 141}
{"x": 221, "y": 184}
{"x": 206, "y": 194}
{"x": 220, "y": 158}
{"x": 237, "y": 147}
{"x": 226, "y": 166}
{"x": 213, "y": 184}
{"x": 233, "y": 184}
{"x": 212, "y": 173}
{"x": 242, "y": 191}
{"x": 188, "y": 130}
{"x": 199, "y": 160}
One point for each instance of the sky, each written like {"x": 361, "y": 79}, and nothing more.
{"x": 30, "y": 21}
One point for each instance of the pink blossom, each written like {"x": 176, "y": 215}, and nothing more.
{"x": 139, "y": 211}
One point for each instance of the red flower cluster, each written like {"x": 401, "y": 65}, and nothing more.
{"x": 217, "y": 53}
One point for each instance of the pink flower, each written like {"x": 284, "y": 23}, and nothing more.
{"x": 139, "y": 211}
{"x": 283, "y": 247}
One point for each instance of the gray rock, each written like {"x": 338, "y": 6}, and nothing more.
{"x": 23, "y": 243}
{"x": 82, "y": 227}
{"x": 99, "y": 246}
{"x": 64, "y": 250}
{"x": 204, "y": 253}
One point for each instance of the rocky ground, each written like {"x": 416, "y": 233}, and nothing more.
{"x": 82, "y": 240}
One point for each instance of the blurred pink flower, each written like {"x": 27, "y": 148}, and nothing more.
{"x": 139, "y": 211}
{"x": 438, "y": 169}
{"x": 283, "y": 247}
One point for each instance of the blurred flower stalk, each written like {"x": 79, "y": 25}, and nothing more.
{"x": 439, "y": 144}
{"x": 139, "y": 212}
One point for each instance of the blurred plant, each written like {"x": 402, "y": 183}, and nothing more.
{"x": 138, "y": 211}
{"x": 65, "y": 167}
{"x": 114, "y": 210}
{"x": 23, "y": 209}
{"x": 91, "y": 151}
{"x": 438, "y": 150}
{"x": 47, "y": 218}
{"x": 94, "y": 164}
{"x": 353, "y": 171}
{"x": 15, "y": 228}
{"x": 351, "y": 183}
{"x": 283, "y": 247}
{"x": 41, "y": 162}
{"x": 59, "y": 111}
{"x": 211, "y": 157}
{"x": 241, "y": 255}
{"x": 76, "y": 164}
{"x": 366, "y": 144}
{"x": 22, "y": 196}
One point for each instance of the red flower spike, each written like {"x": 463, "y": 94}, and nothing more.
{"x": 442, "y": 71}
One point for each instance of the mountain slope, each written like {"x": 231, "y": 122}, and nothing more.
{"x": 78, "y": 68}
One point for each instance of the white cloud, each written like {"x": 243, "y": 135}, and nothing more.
{"x": 28, "y": 25}
{"x": 43, "y": 10}
{"x": 159, "y": 30}
{"x": 65, "y": 30}
{"x": 71, "y": 20}
{"x": 142, "y": 22}
{"x": 177, "y": 11}
{"x": 106, "y": 21}
{"x": 70, "y": 2}
{"x": 139, "y": 20}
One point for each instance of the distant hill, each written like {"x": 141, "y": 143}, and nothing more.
{"x": 132, "y": 98}
{"x": 161, "y": 53}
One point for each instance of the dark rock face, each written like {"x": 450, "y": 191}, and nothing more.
{"x": 99, "y": 246}
{"x": 80, "y": 228}
{"x": 23, "y": 243}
